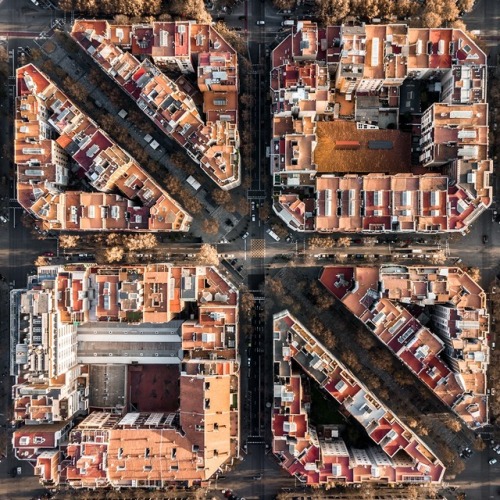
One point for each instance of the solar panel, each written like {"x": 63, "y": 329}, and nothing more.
{"x": 170, "y": 419}
{"x": 154, "y": 419}
{"x": 129, "y": 419}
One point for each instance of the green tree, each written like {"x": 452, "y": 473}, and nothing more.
{"x": 210, "y": 226}
{"x": 224, "y": 199}
{"x": 466, "y": 5}
{"x": 208, "y": 256}
{"x": 284, "y": 4}
{"x": 332, "y": 11}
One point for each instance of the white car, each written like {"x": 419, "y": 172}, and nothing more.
{"x": 261, "y": 23}
{"x": 253, "y": 217}
{"x": 245, "y": 236}
{"x": 493, "y": 461}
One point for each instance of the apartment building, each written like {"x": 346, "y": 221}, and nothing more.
{"x": 434, "y": 319}
{"x": 108, "y": 340}
{"x": 320, "y": 456}
{"x": 49, "y": 132}
{"x": 212, "y": 141}
{"x": 339, "y": 95}
{"x": 454, "y": 131}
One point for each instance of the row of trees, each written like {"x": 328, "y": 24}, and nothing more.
{"x": 247, "y": 304}
{"x": 111, "y": 247}
{"x": 130, "y": 494}
{"x": 327, "y": 242}
{"x": 494, "y": 367}
{"x": 329, "y": 11}
{"x": 114, "y": 247}
{"x": 431, "y": 13}
{"x": 4, "y": 68}
{"x": 188, "y": 9}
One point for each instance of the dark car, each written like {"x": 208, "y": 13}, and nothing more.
{"x": 485, "y": 238}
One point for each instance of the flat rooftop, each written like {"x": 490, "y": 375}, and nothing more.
{"x": 343, "y": 148}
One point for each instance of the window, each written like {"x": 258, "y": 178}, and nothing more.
{"x": 174, "y": 453}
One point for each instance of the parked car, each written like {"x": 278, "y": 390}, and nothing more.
{"x": 493, "y": 461}
{"x": 260, "y": 23}
{"x": 485, "y": 238}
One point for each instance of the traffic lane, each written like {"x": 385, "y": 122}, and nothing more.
{"x": 24, "y": 21}
{"x": 258, "y": 461}
{"x": 484, "y": 16}
{"x": 479, "y": 479}
{"x": 19, "y": 252}
{"x": 474, "y": 252}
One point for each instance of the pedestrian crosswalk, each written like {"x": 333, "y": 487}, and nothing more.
{"x": 258, "y": 249}
{"x": 255, "y": 440}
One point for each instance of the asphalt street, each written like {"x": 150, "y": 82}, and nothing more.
{"x": 485, "y": 17}
{"x": 18, "y": 250}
